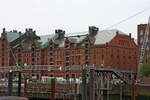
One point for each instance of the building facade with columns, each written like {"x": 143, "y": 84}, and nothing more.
{"x": 108, "y": 48}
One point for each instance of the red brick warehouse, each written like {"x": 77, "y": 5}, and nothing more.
{"x": 110, "y": 48}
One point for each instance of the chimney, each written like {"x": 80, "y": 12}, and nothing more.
{"x": 14, "y": 31}
{"x": 117, "y": 32}
{"x": 26, "y": 30}
{"x": 34, "y": 32}
{"x": 19, "y": 34}
{"x": 4, "y": 30}
{"x": 30, "y": 30}
{"x": 93, "y": 30}
{"x": 132, "y": 39}
{"x": 130, "y": 35}
{"x": 60, "y": 33}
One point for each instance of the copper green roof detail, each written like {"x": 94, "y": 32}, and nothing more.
{"x": 11, "y": 36}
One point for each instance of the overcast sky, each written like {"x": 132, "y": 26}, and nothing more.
{"x": 72, "y": 15}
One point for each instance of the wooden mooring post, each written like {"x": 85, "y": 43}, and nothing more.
{"x": 10, "y": 83}
{"x": 53, "y": 89}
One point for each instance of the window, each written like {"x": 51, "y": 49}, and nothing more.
{"x": 86, "y": 57}
{"x": 3, "y": 45}
{"x": 67, "y": 58}
{"x": 32, "y": 54}
{"x": 51, "y": 59}
{"x": 87, "y": 62}
{"x": 67, "y": 46}
{"x": 33, "y": 49}
{"x": 33, "y": 59}
{"x": 51, "y": 48}
{"x": 73, "y": 60}
{"x": 50, "y": 53}
{"x": 51, "y": 75}
{"x": 94, "y": 51}
{"x": 33, "y": 75}
{"x": 67, "y": 52}
{"x": 86, "y": 45}
{"x": 147, "y": 48}
{"x": 73, "y": 75}
{"x": 51, "y": 43}
{"x": 124, "y": 57}
{"x": 94, "y": 57}
{"x": 141, "y": 40}
{"x": 86, "y": 51}
{"x": 142, "y": 32}
{"x": 86, "y": 40}
{"x": 67, "y": 64}
{"x": 19, "y": 50}
{"x": 67, "y": 76}
{"x": 102, "y": 57}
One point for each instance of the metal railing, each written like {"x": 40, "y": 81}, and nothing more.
{"x": 57, "y": 67}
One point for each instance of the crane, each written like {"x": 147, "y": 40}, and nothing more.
{"x": 143, "y": 47}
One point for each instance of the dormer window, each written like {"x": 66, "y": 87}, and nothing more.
{"x": 67, "y": 46}
{"x": 51, "y": 48}
{"x": 51, "y": 43}
{"x": 33, "y": 48}
{"x": 86, "y": 40}
{"x": 19, "y": 50}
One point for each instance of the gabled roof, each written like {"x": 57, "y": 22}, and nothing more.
{"x": 136, "y": 41}
{"x": 45, "y": 39}
{"x": 74, "y": 37}
{"x": 11, "y": 36}
{"x": 104, "y": 36}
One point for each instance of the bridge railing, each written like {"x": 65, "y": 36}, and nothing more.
{"x": 57, "y": 67}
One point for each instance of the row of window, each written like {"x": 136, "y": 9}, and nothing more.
{"x": 141, "y": 32}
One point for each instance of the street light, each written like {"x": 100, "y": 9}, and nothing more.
{"x": 10, "y": 71}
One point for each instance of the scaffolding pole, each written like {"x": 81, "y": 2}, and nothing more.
{"x": 92, "y": 94}
{"x": 19, "y": 83}
{"x": 10, "y": 84}
{"x": 84, "y": 89}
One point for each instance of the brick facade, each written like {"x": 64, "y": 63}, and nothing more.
{"x": 121, "y": 52}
